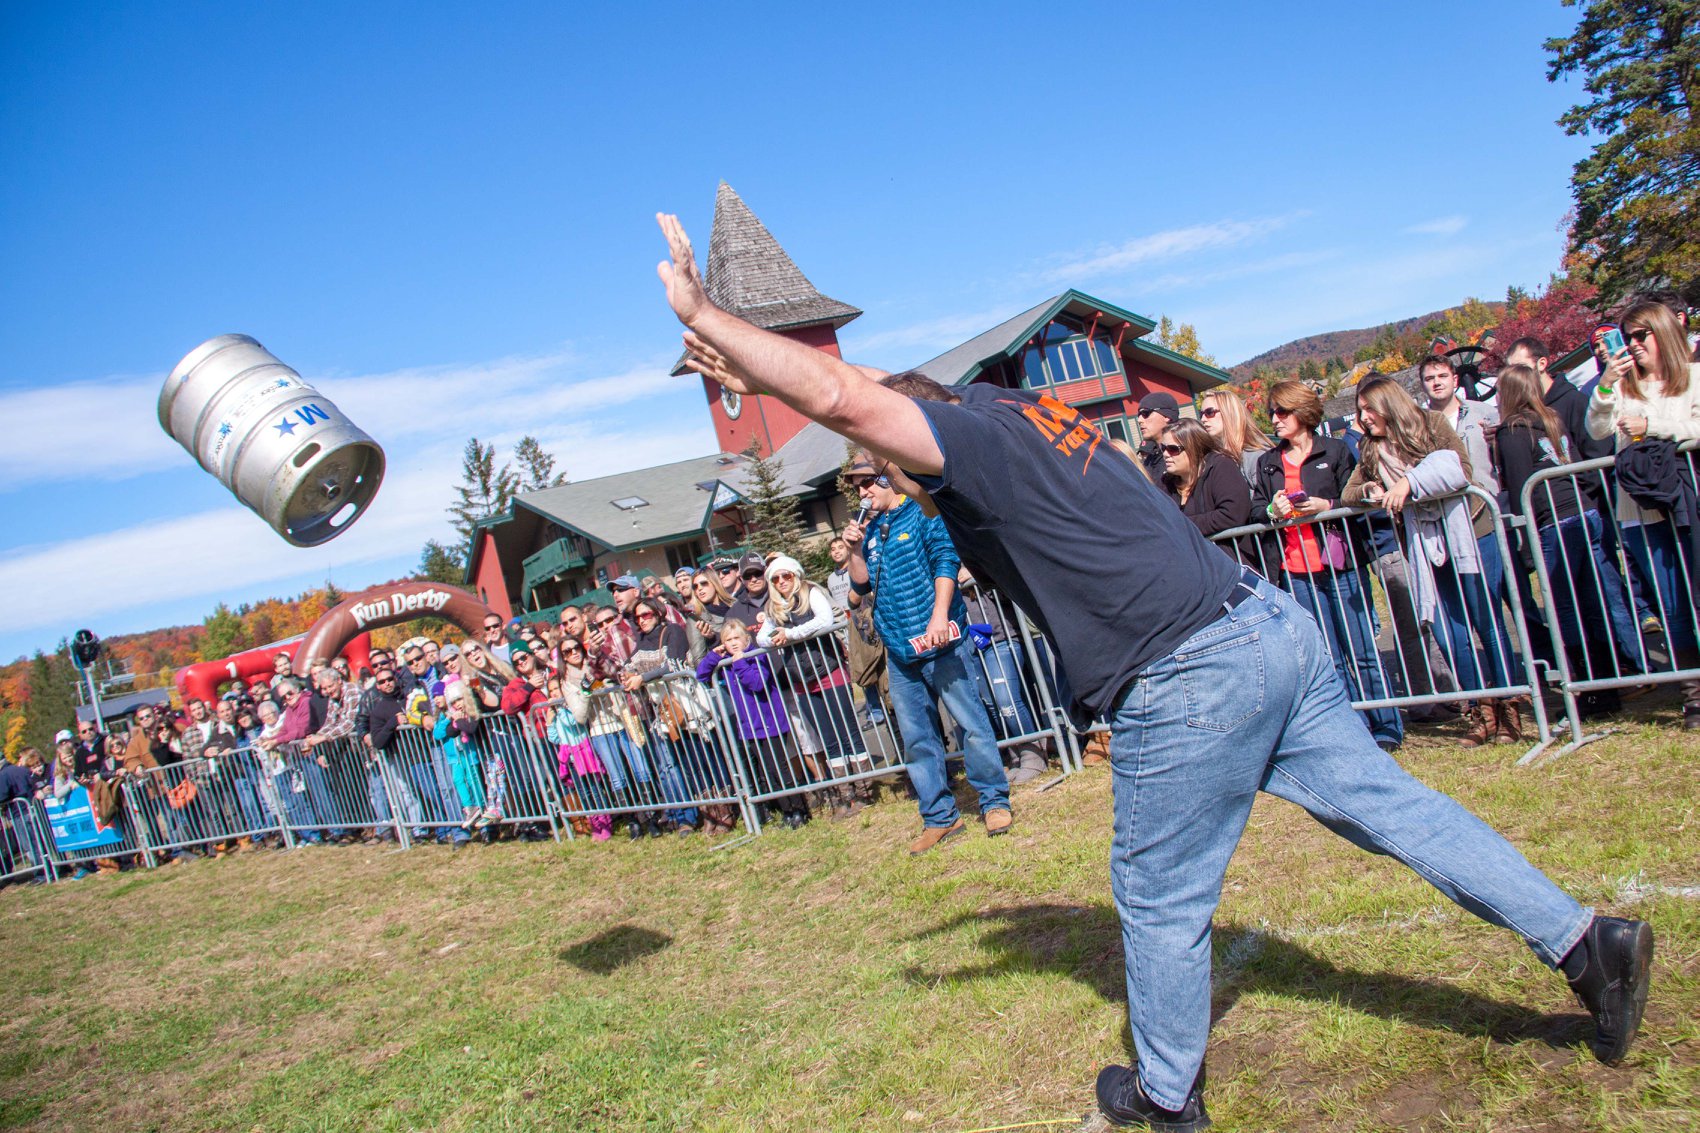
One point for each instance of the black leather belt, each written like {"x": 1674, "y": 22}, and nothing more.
{"x": 1245, "y": 588}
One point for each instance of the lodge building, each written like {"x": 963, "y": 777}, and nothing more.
{"x": 558, "y": 544}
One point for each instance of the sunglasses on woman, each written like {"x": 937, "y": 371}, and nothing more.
{"x": 645, "y": 616}
{"x": 1172, "y": 450}
{"x": 1209, "y": 411}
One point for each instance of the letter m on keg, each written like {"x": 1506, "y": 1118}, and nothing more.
{"x": 310, "y": 413}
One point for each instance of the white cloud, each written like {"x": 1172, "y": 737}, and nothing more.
{"x": 1439, "y": 226}
{"x": 1165, "y": 245}
{"x": 74, "y": 580}
{"x": 109, "y": 429}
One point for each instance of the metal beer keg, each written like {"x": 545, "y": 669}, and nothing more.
{"x": 282, "y": 447}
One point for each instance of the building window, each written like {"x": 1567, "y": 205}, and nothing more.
{"x": 1065, "y": 354}
{"x": 1115, "y": 428}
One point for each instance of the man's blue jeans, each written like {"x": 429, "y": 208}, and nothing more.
{"x": 1339, "y": 606}
{"x": 915, "y": 685}
{"x": 1253, "y": 702}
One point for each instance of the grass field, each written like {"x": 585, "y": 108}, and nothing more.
{"x": 824, "y": 980}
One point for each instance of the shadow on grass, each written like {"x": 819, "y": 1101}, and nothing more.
{"x": 614, "y": 948}
{"x": 1084, "y": 943}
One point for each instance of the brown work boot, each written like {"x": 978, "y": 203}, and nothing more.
{"x": 1097, "y": 749}
{"x": 1510, "y": 730}
{"x": 933, "y": 835}
{"x": 1484, "y": 722}
{"x": 998, "y": 821}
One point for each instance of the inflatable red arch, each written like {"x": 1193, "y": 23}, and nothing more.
{"x": 344, "y": 630}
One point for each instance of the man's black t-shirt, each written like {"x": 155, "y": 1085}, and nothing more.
{"x": 1071, "y": 530}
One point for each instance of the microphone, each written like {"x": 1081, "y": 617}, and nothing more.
{"x": 862, "y": 515}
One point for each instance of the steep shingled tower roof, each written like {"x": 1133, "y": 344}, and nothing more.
{"x": 749, "y": 274}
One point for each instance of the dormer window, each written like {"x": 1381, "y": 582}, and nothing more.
{"x": 1065, "y": 353}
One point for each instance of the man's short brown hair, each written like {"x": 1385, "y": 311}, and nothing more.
{"x": 915, "y": 384}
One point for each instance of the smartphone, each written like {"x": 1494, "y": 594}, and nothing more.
{"x": 1611, "y": 338}
{"x": 1297, "y": 497}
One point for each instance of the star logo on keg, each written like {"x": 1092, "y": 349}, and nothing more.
{"x": 224, "y": 429}
{"x": 286, "y": 428}
{"x": 281, "y": 383}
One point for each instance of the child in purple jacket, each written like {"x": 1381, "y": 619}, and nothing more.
{"x": 760, "y": 711}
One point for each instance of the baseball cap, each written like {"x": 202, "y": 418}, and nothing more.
{"x": 624, "y": 582}
{"x": 753, "y": 562}
{"x": 1163, "y": 403}
{"x": 685, "y": 570}
{"x": 448, "y": 651}
{"x": 63, "y": 736}
{"x": 517, "y": 648}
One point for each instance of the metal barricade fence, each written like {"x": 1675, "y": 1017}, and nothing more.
{"x": 335, "y": 788}
{"x": 519, "y": 776}
{"x": 658, "y": 749}
{"x": 199, "y": 802}
{"x": 26, "y": 846}
{"x": 793, "y": 726}
{"x": 122, "y": 822}
{"x": 1017, "y": 678}
{"x": 1617, "y": 584}
{"x": 1448, "y": 634}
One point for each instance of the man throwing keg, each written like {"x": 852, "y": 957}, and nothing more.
{"x": 1217, "y": 685}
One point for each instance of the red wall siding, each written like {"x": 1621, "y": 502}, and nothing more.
{"x": 773, "y": 422}
{"x": 487, "y": 580}
{"x": 1144, "y": 379}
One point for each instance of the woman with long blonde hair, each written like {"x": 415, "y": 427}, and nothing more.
{"x": 1224, "y": 416}
{"x": 1651, "y": 391}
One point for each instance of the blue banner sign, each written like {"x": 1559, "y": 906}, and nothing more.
{"x": 75, "y": 826}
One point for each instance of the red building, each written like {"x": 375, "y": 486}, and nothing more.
{"x": 557, "y": 544}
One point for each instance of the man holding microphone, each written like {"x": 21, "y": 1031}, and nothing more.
{"x": 907, "y": 557}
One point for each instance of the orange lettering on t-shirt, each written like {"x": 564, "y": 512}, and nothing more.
{"x": 1062, "y": 427}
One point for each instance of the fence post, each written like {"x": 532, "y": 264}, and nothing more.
{"x": 1068, "y": 753}
{"x": 138, "y": 819}
{"x": 728, "y": 726}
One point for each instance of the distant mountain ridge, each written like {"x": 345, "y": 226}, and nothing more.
{"x": 1334, "y": 344}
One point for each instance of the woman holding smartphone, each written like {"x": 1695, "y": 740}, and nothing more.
{"x": 1650, "y": 391}
{"x": 1305, "y": 475}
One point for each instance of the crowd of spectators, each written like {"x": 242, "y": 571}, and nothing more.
{"x": 1437, "y": 553}
{"x": 809, "y": 670}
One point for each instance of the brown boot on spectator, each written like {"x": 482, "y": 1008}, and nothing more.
{"x": 1097, "y": 749}
{"x": 1483, "y": 722}
{"x": 933, "y": 835}
{"x": 1510, "y": 730}
{"x": 843, "y": 802}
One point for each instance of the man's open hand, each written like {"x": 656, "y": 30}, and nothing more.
{"x": 679, "y": 274}
{"x": 711, "y": 364}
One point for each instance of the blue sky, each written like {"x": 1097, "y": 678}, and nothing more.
{"x": 443, "y": 217}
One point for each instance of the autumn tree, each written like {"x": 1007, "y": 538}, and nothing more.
{"x": 484, "y": 489}
{"x": 536, "y": 467}
{"x": 1562, "y": 316}
{"x": 1182, "y": 339}
{"x": 1637, "y": 192}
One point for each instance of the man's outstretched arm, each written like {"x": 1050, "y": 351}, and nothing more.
{"x": 747, "y": 359}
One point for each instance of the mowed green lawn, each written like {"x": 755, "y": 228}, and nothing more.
{"x": 825, "y": 980}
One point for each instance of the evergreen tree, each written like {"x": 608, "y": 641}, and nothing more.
{"x": 536, "y": 467}
{"x": 438, "y": 563}
{"x": 776, "y": 521}
{"x": 52, "y": 698}
{"x": 225, "y": 634}
{"x": 1637, "y": 192}
{"x": 484, "y": 489}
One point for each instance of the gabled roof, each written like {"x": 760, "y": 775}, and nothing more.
{"x": 674, "y": 505}
{"x": 809, "y": 459}
{"x": 749, "y": 274}
{"x": 964, "y": 363}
